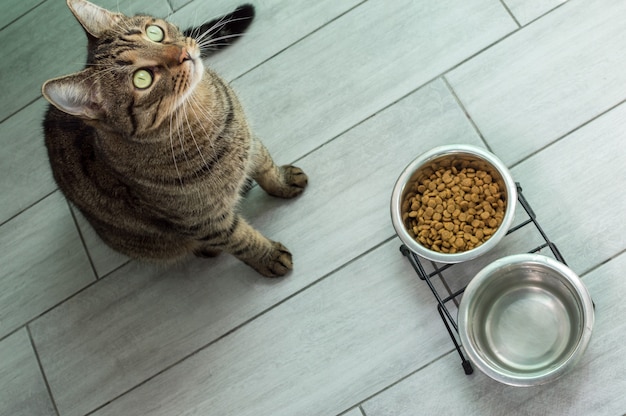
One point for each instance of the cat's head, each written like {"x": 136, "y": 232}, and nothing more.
{"x": 139, "y": 71}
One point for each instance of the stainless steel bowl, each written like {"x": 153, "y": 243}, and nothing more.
{"x": 525, "y": 319}
{"x": 443, "y": 156}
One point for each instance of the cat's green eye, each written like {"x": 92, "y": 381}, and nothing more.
{"x": 155, "y": 33}
{"x": 142, "y": 79}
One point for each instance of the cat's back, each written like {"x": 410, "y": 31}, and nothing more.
{"x": 76, "y": 167}
{"x": 69, "y": 142}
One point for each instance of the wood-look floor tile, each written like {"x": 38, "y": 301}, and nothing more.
{"x": 577, "y": 190}
{"x": 22, "y": 388}
{"x": 43, "y": 262}
{"x": 548, "y": 79}
{"x": 295, "y": 18}
{"x": 25, "y": 172}
{"x": 360, "y": 63}
{"x": 319, "y": 353}
{"x": 106, "y": 330}
{"x": 595, "y": 386}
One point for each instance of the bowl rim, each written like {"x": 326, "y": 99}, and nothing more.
{"x": 431, "y": 155}
{"x": 482, "y": 278}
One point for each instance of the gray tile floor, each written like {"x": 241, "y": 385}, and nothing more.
{"x": 351, "y": 91}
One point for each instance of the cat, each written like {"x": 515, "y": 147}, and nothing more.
{"x": 154, "y": 149}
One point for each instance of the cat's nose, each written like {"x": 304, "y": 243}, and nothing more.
{"x": 174, "y": 55}
{"x": 184, "y": 55}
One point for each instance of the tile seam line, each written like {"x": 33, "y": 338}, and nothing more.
{"x": 31, "y": 205}
{"x": 240, "y": 326}
{"x": 41, "y": 370}
{"x": 602, "y": 263}
{"x": 22, "y": 15}
{"x": 466, "y": 112}
{"x": 558, "y": 139}
{"x": 407, "y": 376}
{"x": 22, "y": 108}
{"x": 510, "y": 13}
{"x": 82, "y": 239}
{"x": 171, "y": 7}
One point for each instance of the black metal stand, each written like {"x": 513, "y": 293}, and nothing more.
{"x": 446, "y": 316}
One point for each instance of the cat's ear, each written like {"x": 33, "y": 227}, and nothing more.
{"x": 76, "y": 94}
{"x": 94, "y": 19}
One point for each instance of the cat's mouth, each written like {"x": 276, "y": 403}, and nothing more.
{"x": 194, "y": 67}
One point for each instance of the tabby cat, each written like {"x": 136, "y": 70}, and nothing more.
{"x": 154, "y": 149}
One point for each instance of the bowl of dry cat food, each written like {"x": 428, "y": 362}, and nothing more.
{"x": 525, "y": 320}
{"x": 453, "y": 203}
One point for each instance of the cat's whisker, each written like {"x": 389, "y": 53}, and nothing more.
{"x": 215, "y": 28}
{"x": 207, "y": 39}
{"x": 180, "y": 179}
{"x": 214, "y": 41}
{"x": 204, "y": 117}
{"x": 191, "y": 134}
{"x": 181, "y": 136}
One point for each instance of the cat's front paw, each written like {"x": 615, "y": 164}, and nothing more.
{"x": 294, "y": 180}
{"x": 276, "y": 264}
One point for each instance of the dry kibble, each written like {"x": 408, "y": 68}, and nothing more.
{"x": 455, "y": 209}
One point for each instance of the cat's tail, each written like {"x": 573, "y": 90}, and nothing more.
{"x": 222, "y": 31}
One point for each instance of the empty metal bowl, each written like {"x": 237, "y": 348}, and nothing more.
{"x": 525, "y": 319}
{"x": 460, "y": 154}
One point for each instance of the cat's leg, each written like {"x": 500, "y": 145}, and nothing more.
{"x": 282, "y": 181}
{"x": 269, "y": 258}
